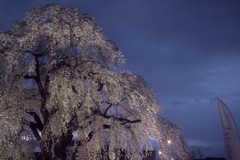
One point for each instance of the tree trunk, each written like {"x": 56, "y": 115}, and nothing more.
{"x": 56, "y": 147}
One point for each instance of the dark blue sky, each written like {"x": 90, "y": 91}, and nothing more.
{"x": 187, "y": 50}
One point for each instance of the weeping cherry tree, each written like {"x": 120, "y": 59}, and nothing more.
{"x": 60, "y": 90}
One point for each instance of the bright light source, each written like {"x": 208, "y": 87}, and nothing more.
{"x": 160, "y": 152}
{"x": 169, "y": 142}
{"x": 172, "y": 158}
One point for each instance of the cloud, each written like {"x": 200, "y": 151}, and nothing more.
{"x": 206, "y": 148}
{"x": 207, "y": 144}
{"x": 178, "y": 102}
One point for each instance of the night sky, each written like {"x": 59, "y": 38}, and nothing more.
{"x": 188, "y": 51}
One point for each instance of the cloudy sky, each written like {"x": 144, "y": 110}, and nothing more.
{"x": 188, "y": 51}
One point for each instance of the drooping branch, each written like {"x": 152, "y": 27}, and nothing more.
{"x": 39, "y": 123}
{"x": 110, "y": 105}
{"x": 122, "y": 120}
{"x": 125, "y": 121}
{"x": 34, "y": 127}
{"x": 105, "y": 115}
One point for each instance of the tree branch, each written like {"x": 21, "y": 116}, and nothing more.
{"x": 90, "y": 135}
{"x": 36, "y": 54}
{"x": 122, "y": 120}
{"x": 105, "y": 113}
{"x": 130, "y": 121}
{"x": 106, "y": 126}
{"x": 41, "y": 90}
{"x": 39, "y": 123}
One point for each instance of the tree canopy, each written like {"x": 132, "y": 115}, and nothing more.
{"x": 60, "y": 89}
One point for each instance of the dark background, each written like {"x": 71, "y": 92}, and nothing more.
{"x": 188, "y": 51}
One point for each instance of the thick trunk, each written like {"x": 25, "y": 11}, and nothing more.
{"x": 55, "y": 147}
{"x": 50, "y": 152}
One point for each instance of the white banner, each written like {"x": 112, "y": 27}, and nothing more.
{"x": 232, "y": 141}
